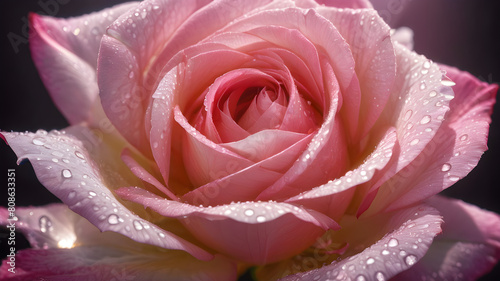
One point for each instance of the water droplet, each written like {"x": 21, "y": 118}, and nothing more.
{"x": 370, "y": 261}
{"x": 38, "y": 141}
{"x": 66, "y": 173}
{"x": 448, "y": 83}
{"x": 393, "y": 242}
{"x": 425, "y": 120}
{"x": 131, "y": 75}
{"x": 453, "y": 178}
{"x": 113, "y": 219}
{"x": 155, "y": 145}
{"x": 76, "y": 31}
{"x": 360, "y": 278}
{"x": 137, "y": 225}
{"x": 414, "y": 142}
{"x": 432, "y": 94}
{"x": 91, "y": 193}
{"x": 71, "y": 194}
{"x": 55, "y": 160}
{"x": 464, "y": 137}
{"x": 385, "y": 252}
{"x": 410, "y": 260}
{"x": 446, "y": 167}
{"x": 422, "y": 86}
{"x": 261, "y": 219}
{"x": 380, "y": 276}
{"x": 79, "y": 155}
{"x": 45, "y": 224}
{"x": 408, "y": 115}
{"x": 249, "y": 212}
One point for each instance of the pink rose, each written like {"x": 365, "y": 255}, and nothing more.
{"x": 207, "y": 138}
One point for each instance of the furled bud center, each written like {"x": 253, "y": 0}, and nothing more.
{"x": 246, "y": 101}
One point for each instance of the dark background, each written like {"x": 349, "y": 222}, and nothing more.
{"x": 461, "y": 33}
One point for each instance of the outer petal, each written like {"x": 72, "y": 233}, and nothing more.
{"x": 453, "y": 151}
{"x": 404, "y": 237}
{"x": 420, "y": 99}
{"x": 65, "y": 53}
{"x": 82, "y": 168}
{"x": 468, "y": 247}
{"x": 254, "y": 232}
{"x": 370, "y": 42}
{"x": 74, "y": 249}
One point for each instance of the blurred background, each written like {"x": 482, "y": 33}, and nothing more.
{"x": 461, "y": 33}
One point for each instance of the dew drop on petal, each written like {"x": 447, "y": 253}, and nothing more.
{"x": 453, "y": 178}
{"x": 446, "y": 167}
{"x": 137, "y": 225}
{"x": 66, "y": 173}
{"x": 113, "y": 219}
{"x": 261, "y": 219}
{"x": 410, "y": 260}
{"x": 408, "y": 115}
{"x": 370, "y": 261}
{"x": 393, "y": 242}
{"x": 380, "y": 276}
{"x": 448, "y": 83}
{"x": 425, "y": 120}
{"x": 45, "y": 224}
{"x": 464, "y": 137}
{"x": 414, "y": 142}
{"x": 249, "y": 212}
{"x": 385, "y": 252}
{"x": 79, "y": 155}
{"x": 360, "y": 278}
{"x": 38, "y": 141}
{"x": 71, "y": 194}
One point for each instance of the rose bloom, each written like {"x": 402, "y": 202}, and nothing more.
{"x": 300, "y": 140}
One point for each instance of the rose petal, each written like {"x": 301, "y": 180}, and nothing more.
{"x": 327, "y": 149}
{"x": 404, "y": 237}
{"x": 334, "y": 197}
{"x": 468, "y": 248}
{"x": 247, "y": 183}
{"x": 417, "y": 109}
{"x": 452, "y": 153}
{"x": 403, "y": 36}
{"x": 254, "y": 232}
{"x": 74, "y": 249}
{"x": 317, "y": 30}
{"x": 65, "y": 53}
{"x": 129, "y": 70}
{"x": 77, "y": 167}
{"x": 351, "y": 4}
{"x": 369, "y": 39}
{"x": 224, "y": 176}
